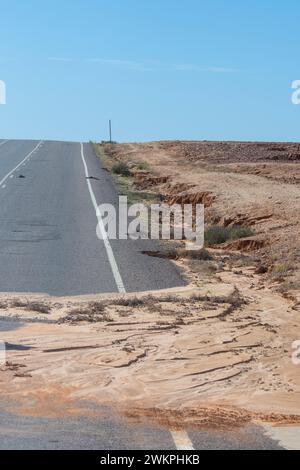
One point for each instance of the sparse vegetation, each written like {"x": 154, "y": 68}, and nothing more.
{"x": 231, "y": 298}
{"x": 33, "y": 306}
{"x": 202, "y": 255}
{"x": 281, "y": 268}
{"x": 142, "y": 166}
{"x": 133, "y": 302}
{"x": 288, "y": 285}
{"x": 126, "y": 188}
{"x": 280, "y": 271}
{"x": 205, "y": 269}
{"x": 98, "y": 312}
{"x": 174, "y": 253}
{"x": 121, "y": 168}
{"x": 217, "y": 235}
{"x": 18, "y": 303}
{"x": 122, "y": 176}
{"x": 238, "y": 231}
{"x": 94, "y": 313}
{"x": 38, "y": 307}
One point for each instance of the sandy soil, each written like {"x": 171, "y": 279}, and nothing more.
{"x": 202, "y": 356}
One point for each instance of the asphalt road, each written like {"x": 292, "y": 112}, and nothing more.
{"x": 100, "y": 428}
{"x": 48, "y": 241}
{"x": 113, "y": 433}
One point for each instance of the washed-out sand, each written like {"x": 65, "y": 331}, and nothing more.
{"x": 211, "y": 355}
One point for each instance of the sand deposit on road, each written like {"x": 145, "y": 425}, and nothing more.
{"x": 204, "y": 355}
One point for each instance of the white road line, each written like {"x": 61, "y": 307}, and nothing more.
{"x": 4, "y": 142}
{"x": 182, "y": 440}
{"x": 287, "y": 437}
{"x": 110, "y": 253}
{"x": 20, "y": 164}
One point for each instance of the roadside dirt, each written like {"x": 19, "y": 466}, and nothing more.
{"x": 255, "y": 185}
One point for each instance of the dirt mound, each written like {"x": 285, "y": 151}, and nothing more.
{"x": 145, "y": 180}
{"x": 209, "y": 417}
{"x": 203, "y": 197}
{"x": 172, "y": 189}
{"x": 203, "y": 417}
{"x": 246, "y": 220}
{"x": 246, "y": 244}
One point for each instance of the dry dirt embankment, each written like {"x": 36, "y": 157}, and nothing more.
{"x": 217, "y": 352}
{"x": 254, "y": 185}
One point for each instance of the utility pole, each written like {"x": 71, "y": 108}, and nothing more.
{"x": 110, "y": 133}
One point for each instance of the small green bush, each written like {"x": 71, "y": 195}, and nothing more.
{"x": 121, "y": 168}
{"x": 238, "y": 231}
{"x": 281, "y": 268}
{"x": 142, "y": 166}
{"x": 216, "y": 235}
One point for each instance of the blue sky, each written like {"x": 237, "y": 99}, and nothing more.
{"x": 160, "y": 69}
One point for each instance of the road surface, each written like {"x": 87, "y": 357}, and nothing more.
{"x": 48, "y": 241}
{"x": 113, "y": 433}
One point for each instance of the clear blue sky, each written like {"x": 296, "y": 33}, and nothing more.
{"x": 160, "y": 69}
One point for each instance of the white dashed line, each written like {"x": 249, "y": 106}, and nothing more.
{"x": 287, "y": 437}
{"x": 182, "y": 440}
{"x": 110, "y": 253}
{"x": 21, "y": 163}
